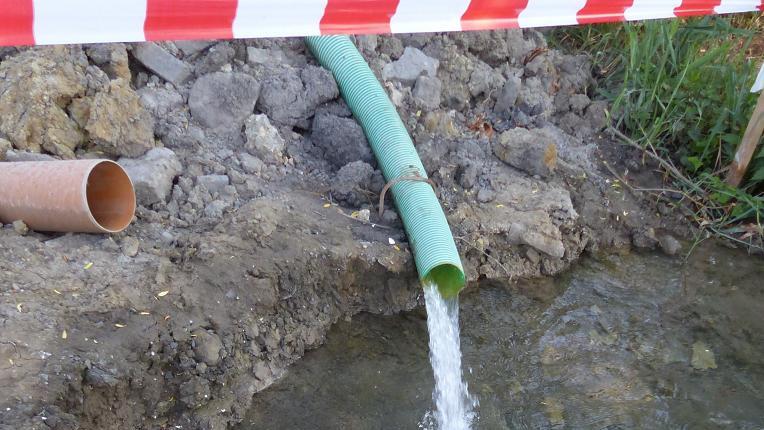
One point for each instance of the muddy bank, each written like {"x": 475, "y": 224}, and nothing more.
{"x": 256, "y": 227}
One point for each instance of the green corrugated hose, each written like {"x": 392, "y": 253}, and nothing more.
{"x": 437, "y": 259}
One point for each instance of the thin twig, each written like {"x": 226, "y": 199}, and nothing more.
{"x": 666, "y": 165}
{"x": 489, "y": 256}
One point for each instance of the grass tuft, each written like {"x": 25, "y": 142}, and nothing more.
{"x": 680, "y": 89}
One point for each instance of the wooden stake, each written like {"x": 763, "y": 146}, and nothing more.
{"x": 747, "y": 145}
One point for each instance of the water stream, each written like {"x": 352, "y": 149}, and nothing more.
{"x": 453, "y": 404}
{"x": 628, "y": 341}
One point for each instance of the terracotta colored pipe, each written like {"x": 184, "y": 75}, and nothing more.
{"x": 86, "y": 196}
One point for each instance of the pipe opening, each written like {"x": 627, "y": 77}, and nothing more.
{"x": 449, "y": 279}
{"x": 111, "y": 198}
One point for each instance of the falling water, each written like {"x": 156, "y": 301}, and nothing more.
{"x": 453, "y": 403}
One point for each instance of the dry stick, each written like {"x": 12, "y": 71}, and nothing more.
{"x": 666, "y": 165}
{"x": 747, "y": 145}
{"x": 489, "y": 256}
{"x": 652, "y": 190}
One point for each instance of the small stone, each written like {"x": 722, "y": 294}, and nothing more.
{"x": 533, "y": 256}
{"x": 427, "y": 92}
{"x": 215, "y": 58}
{"x": 532, "y": 151}
{"x": 669, "y": 244}
{"x": 264, "y": 140}
{"x": 364, "y": 215}
{"x": 485, "y": 195}
{"x": 20, "y": 227}
{"x": 350, "y": 182}
{"x": 192, "y": 47}
{"x": 505, "y": 103}
{"x": 130, "y": 246}
{"x": 341, "y": 139}
{"x": 702, "y": 357}
{"x": 251, "y": 164}
{"x": 412, "y": 64}
{"x": 265, "y": 56}
{"x": 152, "y": 174}
{"x": 213, "y": 183}
{"x": 579, "y": 102}
{"x": 223, "y": 100}
{"x": 161, "y": 62}
{"x": 5, "y": 146}
{"x": 207, "y": 347}
{"x": 262, "y": 371}
{"x": 160, "y": 101}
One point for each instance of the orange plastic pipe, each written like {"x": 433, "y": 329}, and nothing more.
{"x": 86, "y": 196}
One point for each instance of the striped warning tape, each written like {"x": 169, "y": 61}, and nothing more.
{"x": 28, "y": 22}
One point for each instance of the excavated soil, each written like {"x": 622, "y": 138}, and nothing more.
{"x": 257, "y": 225}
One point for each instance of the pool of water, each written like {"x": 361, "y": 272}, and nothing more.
{"x": 619, "y": 342}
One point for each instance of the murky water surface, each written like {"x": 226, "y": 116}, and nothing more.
{"x": 624, "y": 342}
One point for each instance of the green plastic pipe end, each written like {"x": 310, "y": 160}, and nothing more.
{"x": 435, "y": 254}
{"x": 449, "y": 279}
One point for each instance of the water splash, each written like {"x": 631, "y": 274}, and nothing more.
{"x": 454, "y": 407}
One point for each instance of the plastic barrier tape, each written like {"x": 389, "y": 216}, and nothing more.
{"x": 30, "y": 22}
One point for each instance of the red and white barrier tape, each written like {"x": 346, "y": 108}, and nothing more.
{"x": 29, "y": 22}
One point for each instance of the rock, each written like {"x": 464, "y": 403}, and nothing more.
{"x": 350, "y": 182}
{"x": 213, "y": 183}
{"x": 5, "y": 146}
{"x": 100, "y": 378}
{"x": 669, "y": 244}
{"x": 251, "y": 164}
{"x": 223, "y": 100}
{"x": 130, "y": 246}
{"x": 264, "y": 140}
{"x": 160, "y": 101}
{"x": 111, "y": 58}
{"x": 289, "y": 98}
{"x": 341, "y": 139}
{"x": 208, "y": 347}
{"x": 412, "y": 64}
{"x": 36, "y": 87}
{"x": 579, "y": 102}
{"x": 215, "y": 58}
{"x": 12, "y": 155}
{"x": 262, "y": 372}
{"x": 532, "y": 151}
{"x": 320, "y": 86}
{"x": 702, "y": 357}
{"x": 20, "y": 227}
{"x": 260, "y": 56}
{"x": 505, "y": 103}
{"x": 484, "y": 80}
{"x": 534, "y": 99}
{"x": 118, "y": 124}
{"x": 520, "y": 233}
{"x": 391, "y": 46}
{"x": 427, "y": 92}
{"x": 485, "y": 195}
{"x": 161, "y": 62}
{"x": 152, "y": 174}
{"x": 192, "y": 47}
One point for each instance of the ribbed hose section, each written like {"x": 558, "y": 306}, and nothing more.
{"x": 435, "y": 253}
